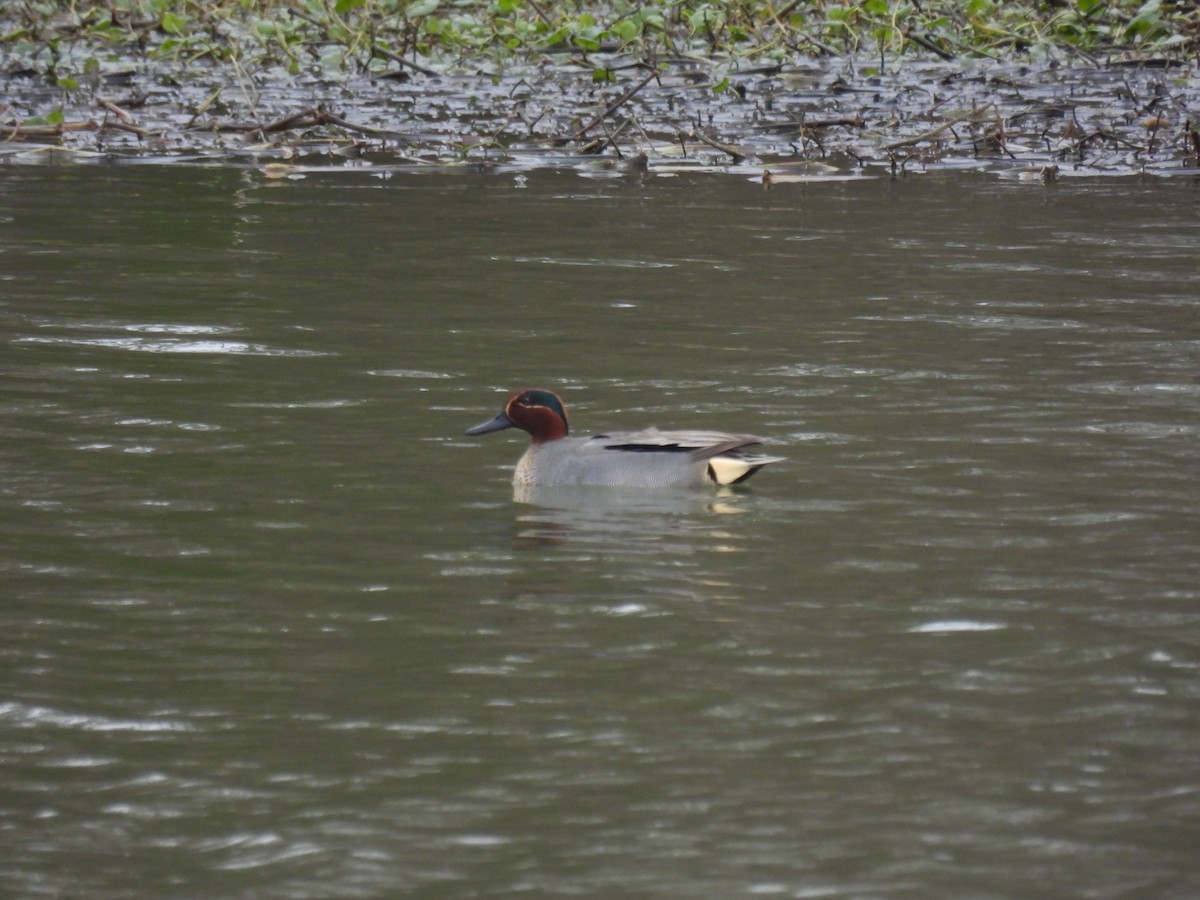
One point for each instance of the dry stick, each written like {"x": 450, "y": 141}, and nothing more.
{"x": 824, "y": 48}
{"x": 1104, "y": 135}
{"x": 614, "y": 106}
{"x": 933, "y": 132}
{"x": 638, "y": 125}
{"x": 126, "y": 126}
{"x": 541, "y": 14}
{"x": 303, "y": 119}
{"x": 397, "y": 58}
{"x": 203, "y": 108}
{"x": 928, "y": 45}
{"x": 529, "y": 123}
{"x": 855, "y": 121}
{"x": 21, "y": 132}
{"x": 334, "y": 119}
{"x": 735, "y": 152}
{"x": 307, "y": 118}
{"x": 249, "y": 92}
{"x": 611, "y": 137}
{"x": 494, "y": 137}
{"x": 115, "y": 110}
{"x": 804, "y": 125}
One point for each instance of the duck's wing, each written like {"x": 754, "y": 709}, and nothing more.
{"x": 728, "y": 457}
{"x": 699, "y": 445}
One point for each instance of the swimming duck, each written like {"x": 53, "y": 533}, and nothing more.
{"x": 649, "y": 458}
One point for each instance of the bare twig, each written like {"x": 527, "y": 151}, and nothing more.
{"x": 928, "y": 45}
{"x": 126, "y": 126}
{"x": 24, "y": 132}
{"x": 611, "y": 136}
{"x": 115, "y": 110}
{"x": 934, "y": 132}
{"x": 328, "y": 118}
{"x": 801, "y": 126}
{"x": 615, "y": 105}
{"x": 541, "y": 14}
{"x": 308, "y": 117}
{"x": 786, "y": 11}
{"x": 380, "y": 50}
{"x": 738, "y": 153}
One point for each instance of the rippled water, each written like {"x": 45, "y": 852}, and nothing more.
{"x": 274, "y": 627}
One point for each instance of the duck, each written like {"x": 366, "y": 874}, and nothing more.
{"x": 638, "y": 459}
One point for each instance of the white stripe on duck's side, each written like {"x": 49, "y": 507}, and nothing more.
{"x": 649, "y": 458}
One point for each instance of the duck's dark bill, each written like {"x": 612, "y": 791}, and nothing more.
{"x": 499, "y": 423}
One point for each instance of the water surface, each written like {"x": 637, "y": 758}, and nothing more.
{"x": 274, "y": 627}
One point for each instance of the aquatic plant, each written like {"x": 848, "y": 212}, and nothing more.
{"x": 57, "y": 38}
{"x": 593, "y": 75}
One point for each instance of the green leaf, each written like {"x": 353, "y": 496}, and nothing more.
{"x": 55, "y": 118}
{"x": 173, "y": 24}
{"x": 652, "y": 18}
{"x": 68, "y": 84}
{"x": 1147, "y": 21}
{"x": 603, "y": 76}
{"x": 626, "y": 30}
{"x": 589, "y": 36}
{"x": 421, "y": 8}
{"x": 344, "y": 6}
{"x": 557, "y": 37}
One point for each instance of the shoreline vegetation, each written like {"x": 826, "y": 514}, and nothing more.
{"x": 807, "y": 90}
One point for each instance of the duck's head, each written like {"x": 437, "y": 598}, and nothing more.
{"x": 535, "y": 410}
